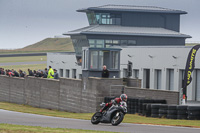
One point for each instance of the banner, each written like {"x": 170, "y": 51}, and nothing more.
{"x": 190, "y": 64}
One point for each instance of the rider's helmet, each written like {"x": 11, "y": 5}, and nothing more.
{"x": 123, "y": 97}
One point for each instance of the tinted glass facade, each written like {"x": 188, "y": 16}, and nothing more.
{"x": 104, "y": 18}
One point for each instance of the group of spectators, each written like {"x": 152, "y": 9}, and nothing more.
{"x": 46, "y": 73}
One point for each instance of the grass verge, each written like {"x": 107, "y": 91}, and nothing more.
{"x": 9, "y": 128}
{"x": 22, "y": 59}
{"x": 129, "y": 118}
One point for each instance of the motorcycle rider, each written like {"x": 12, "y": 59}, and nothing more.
{"x": 123, "y": 97}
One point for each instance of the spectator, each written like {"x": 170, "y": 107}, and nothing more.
{"x": 42, "y": 74}
{"x": 21, "y": 74}
{"x": 55, "y": 74}
{"x": 30, "y": 73}
{"x": 14, "y": 73}
{"x": 105, "y": 72}
{"x": 45, "y": 73}
{"x": 2, "y": 71}
{"x": 34, "y": 73}
{"x": 50, "y": 73}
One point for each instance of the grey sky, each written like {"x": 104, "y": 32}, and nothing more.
{"x": 24, "y": 22}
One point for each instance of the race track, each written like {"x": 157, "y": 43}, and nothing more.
{"x": 18, "y": 118}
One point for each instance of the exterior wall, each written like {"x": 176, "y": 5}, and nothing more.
{"x": 65, "y": 61}
{"x": 71, "y": 95}
{"x": 160, "y": 58}
{"x": 172, "y": 97}
{"x": 167, "y": 21}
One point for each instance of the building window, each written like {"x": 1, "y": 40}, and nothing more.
{"x": 108, "y": 43}
{"x": 124, "y": 42}
{"x": 181, "y": 77}
{"x": 170, "y": 79}
{"x": 61, "y": 72}
{"x": 131, "y": 42}
{"x": 158, "y": 79}
{"x": 135, "y": 73}
{"x": 94, "y": 60}
{"x": 80, "y": 76}
{"x": 108, "y": 18}
{"x": 116, "y": 42}
{"x": 146, "y": 78}
{"x": 115, "y": 59}
{"x": 96, "y": 43}
{"x": 74, "y": 73}
{"x": 91, "y": 18}
{"x": 124, "y": 73}
{"x": 101, "y": 56}
{"x": 67, "y": 73}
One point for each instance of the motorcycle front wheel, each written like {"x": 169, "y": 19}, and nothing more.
{"x": 96, "y": 118}
{"x": 117, "y": 118}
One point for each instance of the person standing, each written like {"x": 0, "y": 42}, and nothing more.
{"x": 50, "y": 73}
{"x": 55, "y": 74}
{"x": 105, "y": 72}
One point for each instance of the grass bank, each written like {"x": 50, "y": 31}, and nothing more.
{"x": 129, "y": 118}
{"x": 9, "y": 128}
{"x": 23, "y": 59}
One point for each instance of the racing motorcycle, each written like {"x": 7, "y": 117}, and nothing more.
{"x": 114, "y": 115}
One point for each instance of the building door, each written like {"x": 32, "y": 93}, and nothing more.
{"x": 61, "y": 72}
{"x": 198, "y": 85}
{"x": 146, "y": 78}
{"x": 74, "y": 73}
{"x": 170, "y": 79}
{"x": 158, "y": 79}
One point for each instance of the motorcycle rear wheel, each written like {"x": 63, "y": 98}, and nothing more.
{"x": 116, "y": 120}
{"x": 96, "y": 118}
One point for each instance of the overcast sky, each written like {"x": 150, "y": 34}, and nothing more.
{"x": 24, "y": 22}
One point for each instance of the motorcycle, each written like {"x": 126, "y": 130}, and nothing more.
{"x": 114, "y": 115}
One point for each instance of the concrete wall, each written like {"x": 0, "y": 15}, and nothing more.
{"x": 73, "y": 95}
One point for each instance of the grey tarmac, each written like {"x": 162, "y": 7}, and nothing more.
{"x": 18, "y": 118}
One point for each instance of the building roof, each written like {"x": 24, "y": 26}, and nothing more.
{"x": 125, "y": 30}
{"x": 132, "y": 8}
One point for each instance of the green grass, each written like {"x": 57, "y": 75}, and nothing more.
{"x": 129, "y": 118}
{"x": 9, "y": 128}
{"x": 25, "y": 67}
{"x": 46, "y": 45}
{"x": 22, "y": 59}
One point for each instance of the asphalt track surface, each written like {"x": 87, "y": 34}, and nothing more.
{"x": 18, "y": 118}
{"x": 22, "y": 63}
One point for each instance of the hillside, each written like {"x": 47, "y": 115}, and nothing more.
{"x": 46, "y": 45}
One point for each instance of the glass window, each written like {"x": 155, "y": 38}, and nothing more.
{"x": 61, "y": 72}
{"x": 124, "y": 42}
{"x": 108, "y": 41}
{"x": 67, "y": 73}
{"x": 116, "y": 42}
{"x": 115, "y": 59}
{"x": 94, "y": 60}
{"x": 99, "y": 43}
{"x": 91, "y": 18}
{"x": 158, "y": 77}
{"x": 108, "y": 18}
{"x": 131, "y": 42}
{"x": 135, "y": 73}
{"x": 101, "y": 55}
